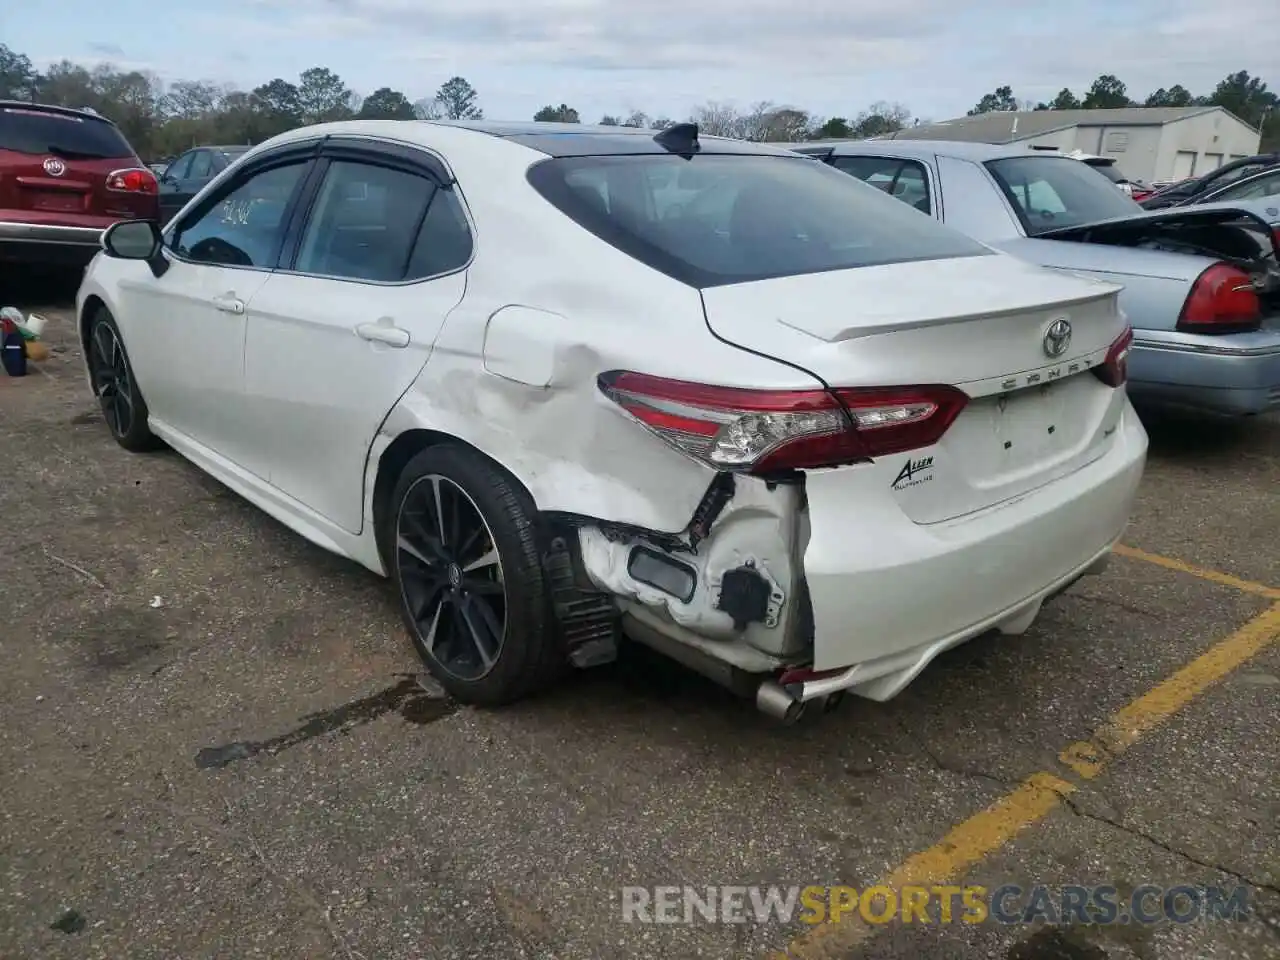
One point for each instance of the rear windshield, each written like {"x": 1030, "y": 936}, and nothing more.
{"x": 1109, "y": 171}
{"x": 1054, "y": 192}
{"x": 721, "y": 219}
{"x": 61, "y": 135}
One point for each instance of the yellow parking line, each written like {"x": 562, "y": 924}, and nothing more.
{"x": 1226, "y": 579}
{"x": 1087, "y": 758}
{"x": 1036, "y": 797}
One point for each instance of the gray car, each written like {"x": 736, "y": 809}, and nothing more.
{"x": 1201, "y": 283}
{"x": 1253, "y": 187}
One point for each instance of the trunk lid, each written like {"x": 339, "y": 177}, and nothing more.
{"x": 54, "y": 167}
{"x": 978, "y": 323}
{"x": 1224, "y": 231}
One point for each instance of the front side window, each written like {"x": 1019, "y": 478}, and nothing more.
{"x": 244, "y": 227}
{"x": 1050, "y": 193}
{"x": 180, "y": 169}
{"x": 201, "y": 165}
{"x": 365, "y": 223}
{"x": 719, "y": 219}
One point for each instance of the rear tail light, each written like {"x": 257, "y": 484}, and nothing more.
{"x": 761, "y": 431}
{"x": 1275, "y": 238}
{"x": 1222, "y": 300}
{"x": 133, "y": 180}
{"x": 1114, "y": 370}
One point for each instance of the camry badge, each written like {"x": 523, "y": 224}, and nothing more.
{"x": 1058, "y": 337}
{"x": 54, "y": 167}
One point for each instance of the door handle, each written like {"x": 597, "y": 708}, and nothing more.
{"x": 229, "y": 303}
{"x": 383, "y": 333}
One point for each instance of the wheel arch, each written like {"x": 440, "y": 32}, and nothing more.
{"x": 92, "y": 304}
{"x": 391, "y": 463}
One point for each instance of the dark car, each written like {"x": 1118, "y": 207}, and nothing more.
{"x": 188, "y": 175}
{"x": 1193, "y": 190}
{"x": 65, "y": 176}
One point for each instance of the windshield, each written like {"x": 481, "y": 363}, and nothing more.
{"x": 1050, "y": 193}
{"x": 60, "y": 134}
{"x": 721, "y": 219}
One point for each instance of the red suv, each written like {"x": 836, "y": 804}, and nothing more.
{"x": 65, "y": 176}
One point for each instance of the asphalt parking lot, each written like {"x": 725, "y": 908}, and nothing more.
{"x": 213, "y": 742}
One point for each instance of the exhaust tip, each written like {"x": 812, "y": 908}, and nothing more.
{"x": 773, "y": 699}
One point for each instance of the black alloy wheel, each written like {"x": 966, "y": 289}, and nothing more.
{"x": 115, "y": 386}
{"x": 112, "y": 383}
{"x": 451, "y": 577}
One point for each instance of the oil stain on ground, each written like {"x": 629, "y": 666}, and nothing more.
{"x": 1056, "y": 943}
{"x": 408, "y": 698}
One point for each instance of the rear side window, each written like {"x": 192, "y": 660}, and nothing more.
{"x": 1267, "y": 185}
{"x": 61, "y": 135}
{"x": 378, "y": 224}
{"x": 1054, "y": 192}
{"x": 1109, "y": 171}
{"x": 903, "y": 179}
{"x": 722, "y": 219}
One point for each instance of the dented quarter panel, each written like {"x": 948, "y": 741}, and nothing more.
{"x": 514, "y": 370}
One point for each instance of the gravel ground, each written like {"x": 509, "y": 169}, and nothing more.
{"x": 214, "y": 743}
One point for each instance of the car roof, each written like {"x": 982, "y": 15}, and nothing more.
{"x": 921, "y": 149}
{"x": 51, "y": 108}
{"x": 549, "y": 139}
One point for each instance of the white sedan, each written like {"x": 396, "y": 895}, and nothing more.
{"x": 564, "y": 383}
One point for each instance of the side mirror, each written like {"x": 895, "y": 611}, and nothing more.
{"x": 135, "y": 240}
{"x": 132, "y": 240}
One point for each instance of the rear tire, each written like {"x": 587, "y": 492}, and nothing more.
{"x": 111, "y": 374}
{"x": 464, "y": 556}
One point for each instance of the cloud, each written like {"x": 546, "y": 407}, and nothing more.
{"x": 827, "y": 37}
{"x": 105, "y": 49}
{"x": 835, "y": 57}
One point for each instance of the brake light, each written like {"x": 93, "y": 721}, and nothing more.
{"x": 1222, "y": 300}
{"x": 761, "y": 431}
{"x": 1114, "y": 370}
{"x": 133, "y": 180}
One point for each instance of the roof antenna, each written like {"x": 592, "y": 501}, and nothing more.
{"x": 681, "y": 138}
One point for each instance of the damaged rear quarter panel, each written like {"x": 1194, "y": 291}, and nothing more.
{"x": 548, "y": 308}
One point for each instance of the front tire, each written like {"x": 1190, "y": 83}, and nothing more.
{"x": 464, "y": 557}
{"x": 111, "y": 374}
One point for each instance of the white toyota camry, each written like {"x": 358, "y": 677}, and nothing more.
{"x": 564, "y": 384}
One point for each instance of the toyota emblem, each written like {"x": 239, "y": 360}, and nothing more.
{"x": 54, "y": 167}
{"x": 1058, "y": 337}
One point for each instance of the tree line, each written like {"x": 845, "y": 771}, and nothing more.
{"x": 1245, "y": 96}
{"x": 163, "y": 120}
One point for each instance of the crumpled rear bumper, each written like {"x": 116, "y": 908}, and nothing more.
{"x": 889, "y": 595}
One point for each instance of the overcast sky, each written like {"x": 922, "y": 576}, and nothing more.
{"x": 833, "y": 57}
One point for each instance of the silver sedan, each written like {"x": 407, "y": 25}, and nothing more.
{"x": 1201, "y": 284}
